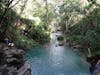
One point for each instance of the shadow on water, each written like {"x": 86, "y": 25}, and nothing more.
{"x": 56, "y": 60}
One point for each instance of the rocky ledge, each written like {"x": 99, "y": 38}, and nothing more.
{"x": 13, "y": 62}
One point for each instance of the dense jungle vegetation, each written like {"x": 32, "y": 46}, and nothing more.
{"x": 28, "y": 23}
{"x": 15, "y": 24}
{"x": 25, "y": 24}
{"x": 81, "y": 24}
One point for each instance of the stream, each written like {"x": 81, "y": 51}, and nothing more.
{"x": 56, "y": 60}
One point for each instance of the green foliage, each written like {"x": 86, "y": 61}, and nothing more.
{"x": 69, "y": 10}
{"x": 36, "y": 34}
{"x": 87, "y": 31}
{"x": 19, "y": 39}
{"x": 39, "y": 34}
{"x": 60, "y": 38}
{"x": 76, "y": 39}
{"x": 24, "y": 42}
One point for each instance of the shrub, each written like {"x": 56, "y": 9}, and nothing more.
{"x": 60, "y": 38}
{"x": 25, "y": 42}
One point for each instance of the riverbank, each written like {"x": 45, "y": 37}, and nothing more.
{"x": 12, "y": 61}
{"x": 90, "y": 60}
{"x": 76, "y": 47}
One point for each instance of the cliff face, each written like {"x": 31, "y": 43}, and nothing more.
{"x": 13, "y": 62}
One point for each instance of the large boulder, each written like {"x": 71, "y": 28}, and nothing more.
{"x": 13, "y": 58}
{"x": 60, "y": 43}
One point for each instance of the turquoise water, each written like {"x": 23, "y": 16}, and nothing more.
{"x": 54, "y": 60}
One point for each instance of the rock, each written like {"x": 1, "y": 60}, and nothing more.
{"x": 9, "y": 56}
{"x": 26, "y": 67}
{"x": 3, "y": 66}
{"x": 67, "y": 44}
{"x": 6, "y": 48}
{"x": 14, "y": 51}
{"x": 12, "y": 68}
{"x": 20, "y": 51}
{"x": 77, "y": 46}
{"x": 76, "y": 50}
{"x": 11, "y": 60}
{"x": 0, "y": 46}
{"x": 74, "y": 44}
{"x": 8, "y": 52}
{"x": 61, "y": 44}
{"x": 0, "y": 73}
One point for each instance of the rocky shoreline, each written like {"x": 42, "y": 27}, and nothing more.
{"x": 13, "y": 62}
{"x": 91, "y": 61}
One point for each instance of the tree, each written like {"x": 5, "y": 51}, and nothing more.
{"x": 68, "y": 10}
{"x": 6, "y": 5}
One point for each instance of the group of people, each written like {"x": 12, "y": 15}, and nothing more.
{"x": 8, "y": 42}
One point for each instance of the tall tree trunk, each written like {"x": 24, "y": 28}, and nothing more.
{"x": 89, "y": 52}
{"x": 66, "y": 26}
{"x": 46, "y": 12}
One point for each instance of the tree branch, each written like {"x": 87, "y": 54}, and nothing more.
{"x": 5, "y": 11}
{"x": 14, "y": 4}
